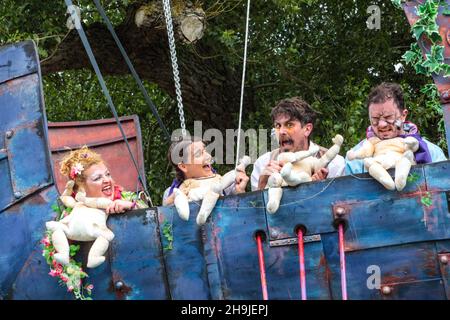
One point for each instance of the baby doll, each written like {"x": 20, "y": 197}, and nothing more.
{"x": 85, "y": 223}
{"x": 207, "y": 189}
{"x": 381, "y": 155}
{"x": 298, "y": 168}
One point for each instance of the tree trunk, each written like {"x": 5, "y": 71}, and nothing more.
{"x": 210, "y": 90}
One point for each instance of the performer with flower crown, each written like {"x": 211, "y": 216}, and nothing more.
{"x": 89, "y": 189}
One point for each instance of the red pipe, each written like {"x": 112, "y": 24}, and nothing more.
{"x": 342, "y": 259}
{"x": 262, "y": 268}
{"x": 301, "y": 256}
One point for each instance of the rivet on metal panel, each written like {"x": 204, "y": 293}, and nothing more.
{"x": 18, "y": 194}
{"x": 274, "y": 233}
{"x": 340, "y": 211}
{"x": 9, "y": 134}
{"x": 386, "y": 290}
{"x": 444, "y": 259}
{"x": 118, "y": 285}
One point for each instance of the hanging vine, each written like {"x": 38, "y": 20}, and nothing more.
{"x": 433, "y": 60}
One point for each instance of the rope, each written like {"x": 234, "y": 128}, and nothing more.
{"x": 90, "y": 54}
{"x": 242, "y": 83}
{"x": 133, "y": 71}
{"x": 173, "y": 57}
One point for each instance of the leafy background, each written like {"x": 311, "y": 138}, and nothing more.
{"x": 320, "y": 50}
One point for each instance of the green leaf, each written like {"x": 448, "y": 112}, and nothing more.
{"x": 417, "y": 31}
{"x": 397, "y": 3}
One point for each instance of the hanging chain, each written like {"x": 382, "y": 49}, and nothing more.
{"x": 173, "y": 56}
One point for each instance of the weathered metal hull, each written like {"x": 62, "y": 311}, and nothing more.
{"x": 407, "y": 241}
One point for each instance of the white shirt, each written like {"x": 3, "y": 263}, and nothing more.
{"x": 335, "y": 168}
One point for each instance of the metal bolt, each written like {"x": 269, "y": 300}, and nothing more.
{"x": 118, "y": 285}
{"x": 444, "y": 259}
{"x": 386, "y": 290}
{"x": 274, "y": 233}
{"x": 9, "y": 134}
{"x": 18, "y": 194}
{"x": 340, "y": 211}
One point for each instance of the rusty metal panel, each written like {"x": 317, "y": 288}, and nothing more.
{"x": 444, "y": 264}
{"x": 408, "y": 271}
{"x": 104, "y": 137}
{"x": 186, "y": 267}
{"x": 310, "y": 204}
{"x": 24, "y": 157}
{"x": 136, "y": 258}
{"x": 17, "y": 60}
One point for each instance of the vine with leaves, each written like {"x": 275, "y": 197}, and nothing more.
{"x": 433, "y": 60}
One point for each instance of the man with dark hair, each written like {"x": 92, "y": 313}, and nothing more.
{"x": 387, "y": 114}
{"x": 293, "y": 122}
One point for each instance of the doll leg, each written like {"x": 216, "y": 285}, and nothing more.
{"x": 293, "y": 178}
{"x": 402, "y": 168}
{"x": 208, "y": 204}
{"x": 96, "y": 254}
{"x": 380, "y": 174}
{"x": 103, "y": 231}
{"x": 275, "y": 192}
{"x": 182, "y": 204}
{"x": 61, "y": 245}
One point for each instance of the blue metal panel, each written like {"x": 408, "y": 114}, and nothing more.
{"x": 18, "y": 60}
{"x": 21, "y": 263}
{"x": 136, "y": 256}
{"x": 310, "y": 204}
{"x": 185, "y": 265}
{"x": 411, "y": 271}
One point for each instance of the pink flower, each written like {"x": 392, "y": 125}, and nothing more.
{"x": 45, "y": 241}
{"x": 76, "y": 170}
{"x": 70, "y": 288}
{"x": 56, "y": 272}
{"x": 64, "y": 279}
{"x": 53, "y": 273}
{"x": 90, "y": 287}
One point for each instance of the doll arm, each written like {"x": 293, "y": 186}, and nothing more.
{"x": 230, "y": 177}
{"x": 99, "y": 203}
{"x": 66, "y": 197}
{"x": 411, "y": 143}
{"x": 367, "y": 150}
{"x": 330, "y": 154}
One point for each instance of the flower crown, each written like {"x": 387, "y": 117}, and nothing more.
{"x": 76, "y": 170}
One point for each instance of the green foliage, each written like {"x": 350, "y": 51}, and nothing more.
{"x": 168, "y": 235}
{"x": 319, "y": 50}
{"x": 426, "y": 199}
{"x": 413, "y": 177}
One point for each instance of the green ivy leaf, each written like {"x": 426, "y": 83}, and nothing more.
{"x": 397, "y": 3}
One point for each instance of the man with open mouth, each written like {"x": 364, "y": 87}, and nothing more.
{"x": 387, "y": 115}
{"x": 294, "y": 121}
